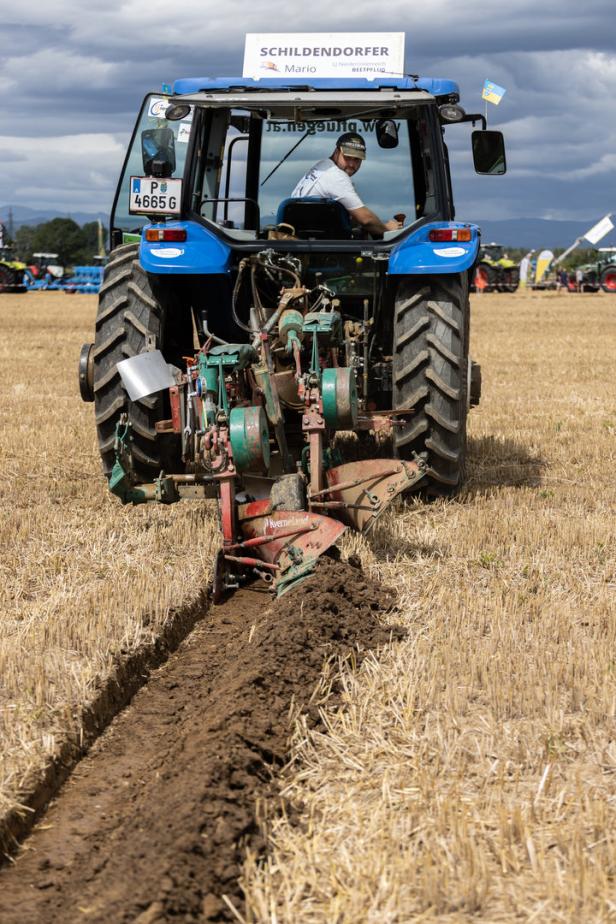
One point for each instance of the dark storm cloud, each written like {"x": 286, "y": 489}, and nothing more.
{"x": 72, "y": 84}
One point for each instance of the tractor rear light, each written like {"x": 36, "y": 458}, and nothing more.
{"x": 438, "y": 235}
{"x": 165, "y": 234}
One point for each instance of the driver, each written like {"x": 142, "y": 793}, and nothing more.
{"x": 331, "y": 179}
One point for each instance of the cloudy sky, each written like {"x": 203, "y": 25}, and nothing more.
{"x": 72, "y": 82}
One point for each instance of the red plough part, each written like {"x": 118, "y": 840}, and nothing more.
{"x": 361, "y": 491}
{"x": 287, "y": 541}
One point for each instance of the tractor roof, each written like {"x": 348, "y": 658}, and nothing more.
{"x": 323, "y": 98}
{"x": 436, "y": 86}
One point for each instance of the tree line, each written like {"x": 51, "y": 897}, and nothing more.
{"x": 75, "y": 244}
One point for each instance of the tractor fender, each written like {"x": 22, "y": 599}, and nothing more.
{"x": 417, "y": 254}
{"x": 202, "y": 252}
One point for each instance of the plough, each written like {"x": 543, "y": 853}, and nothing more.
{"x": 260, "y": 424}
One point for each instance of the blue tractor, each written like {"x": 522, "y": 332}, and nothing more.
{"x": 249, "y": 344}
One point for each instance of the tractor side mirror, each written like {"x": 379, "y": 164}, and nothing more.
{"x": 387, "y": 133}
{"x": 489, "y": 152}
{"x": 158, "y": 152}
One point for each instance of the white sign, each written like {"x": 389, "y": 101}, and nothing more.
{"x": 599, "y": 230}
{"x": 184, "y": 132}
{"x": 150, "y": 196}
{"x": 327, "y": 54}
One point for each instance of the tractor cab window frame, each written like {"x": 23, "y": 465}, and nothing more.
{"x": 238, "y": 211}
{"x": 432, "y": 190}
{"x": 222, "y": 185}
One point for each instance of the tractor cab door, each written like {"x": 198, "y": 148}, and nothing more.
{"x": 126, "y": 227}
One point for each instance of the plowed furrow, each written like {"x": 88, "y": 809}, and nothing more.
{"x": 153, "y": 822}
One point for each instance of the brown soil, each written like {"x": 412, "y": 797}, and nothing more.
{"x": 152, "y": 824}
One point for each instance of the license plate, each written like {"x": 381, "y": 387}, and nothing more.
{"x": 150, "y": 196}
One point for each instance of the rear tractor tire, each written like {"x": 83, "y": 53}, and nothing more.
{"x": 510, "y": 279}
{"x": 484, "y": 278}
{"x": 431, "y": 374}
{"x": 129, "y": 321}
{"x": 8, "y": 278}
{"x": 608, "y": 279}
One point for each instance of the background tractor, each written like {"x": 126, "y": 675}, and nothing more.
{"x": 495, "y": 271}
{"x": 597, "y": 274}
{"x": 260, "y": 349}
{"x": 11, "y": 271}
{"x": 606, "y": 269}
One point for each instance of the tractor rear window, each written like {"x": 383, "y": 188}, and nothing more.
{"x": 383, "y": 182}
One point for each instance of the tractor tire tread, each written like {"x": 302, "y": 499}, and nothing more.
{"x": 411, "y": 367}
{"x": 101, "y": 348}
{"x": 129, "y": 321}
{"x": 111, "y": 309}
{"x": 450, "y": 455}
{"x": 445, "y": 422}
{"x": 441, "y": 384}
{"x": 113, "y": 282}
{"x": 409, "y": 303}
{"x": 411, "y": 334}
{"x": 430, "y": 374}
{"x": 420, "y": 426}
{"x": 440, "y": 347}
{"x": 436, "y": 309}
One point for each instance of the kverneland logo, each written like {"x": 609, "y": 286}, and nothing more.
{"x": 291, "y": 523}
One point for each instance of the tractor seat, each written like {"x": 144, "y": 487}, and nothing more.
{"x": 316, "y": 218}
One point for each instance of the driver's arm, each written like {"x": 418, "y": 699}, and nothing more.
{"x": 366, "y": 218}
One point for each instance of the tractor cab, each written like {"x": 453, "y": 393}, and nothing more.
{"x": 493, "y": 253}
{"x": 227, "y": 154}
{"x": 211, "y": 170}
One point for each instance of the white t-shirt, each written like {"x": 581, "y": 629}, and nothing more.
{"x": 327, "y": 180}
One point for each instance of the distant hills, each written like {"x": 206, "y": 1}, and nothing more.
{"x": 22, "y": 215}
{"x": 538, "y": 233}
{"x": 529, "y": 233}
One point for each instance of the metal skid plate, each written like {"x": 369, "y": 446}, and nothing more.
{"x": 359, "y": 492}
{"x": 145, "y": 374}
{"x": 292, "y": 540}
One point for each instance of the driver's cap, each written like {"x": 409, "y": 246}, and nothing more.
{"x": 352, "y": 145}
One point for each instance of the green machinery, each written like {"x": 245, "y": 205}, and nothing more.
{"x": 11, "y": 272}
{"x": 495, "y": 271}
{"x": 602, "y": 274}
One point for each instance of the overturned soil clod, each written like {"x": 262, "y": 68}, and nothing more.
{"x": 152, "y": 825}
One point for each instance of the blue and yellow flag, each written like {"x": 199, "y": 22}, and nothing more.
{"x": 492, "y": 92}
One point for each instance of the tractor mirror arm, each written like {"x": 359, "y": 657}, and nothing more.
{"x": 475, "y": 117}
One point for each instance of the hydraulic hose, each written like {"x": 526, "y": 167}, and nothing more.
{"x": 236, "y": 290}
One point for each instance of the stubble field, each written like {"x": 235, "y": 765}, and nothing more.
{"x": 470, "y": 773}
